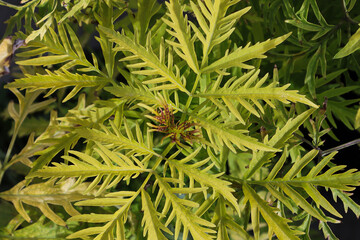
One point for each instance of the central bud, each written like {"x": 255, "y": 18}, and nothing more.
{"x": 177, "y": 131}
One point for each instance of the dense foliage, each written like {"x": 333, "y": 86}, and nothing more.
{"x": 179, "y": 119}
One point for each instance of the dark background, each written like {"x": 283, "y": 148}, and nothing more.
{"x": 349, "y": 229}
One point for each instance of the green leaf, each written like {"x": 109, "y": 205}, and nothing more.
{"x": 220, "y": 26}
{"x": 320, "y": 200}
{"x": 114, "y": 222}
{"x": 220, "y": 135}
{"x": 46, "y": 155}
{"x": 151, "y": 222}
{"x": 48, "y": 19}
{"x": 40, "y": 195}
{"x": 343, "y": 111}
{"x": 328, "y": 233}
{"x": 311, "y": 71}
{"x": 66, "y": 49}
{"x": 146, "y": 11}
{"x": 75, "y": 9}
{"x": 337, "y": 92}
{"x": 115, "y": 168}
{"x": 6, "y": 4}
{"x": 300, "y": 164}
{"x": 277, "y": 141}
{"x": 279, "y": 164}
{"x": 148, "y": 58}
{"x": 39, "y": 229}
{"x": 293, "y": 180}
{"x": 351, "y": 46}
{"x": 347, "y": 201}
{"x": 131, "y": 93}
{"x": 195, "y": 173}
{"x": 198, "y": 227}
{"x": 339, "y": 181}
{"x": 278, "y": 224}
{"x": 181, "y": 31}
{"x": 255, "y": 221}
{"x": 308, "y": 26}
{"x": 247, "y": 92}
{"x": 118, "y": 140}
{"x": 357, "y": 119}
{"x": 241, "y": 55}
{"x": 231, "y": 224}
{"x": 47, "y": 60}
{"x": 301, "y": 201}
{"x": 58, "y": 79}
{"x": 91, "y": 116}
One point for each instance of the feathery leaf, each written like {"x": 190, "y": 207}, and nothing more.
{"x": 148, "y": 58}
{"x": 241, "y": 55}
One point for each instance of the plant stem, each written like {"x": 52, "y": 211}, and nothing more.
{"x": 236, "y": 182}
{"x": 190, "y": 98}
{"x": 328, "y": 151}
{"x": 10, "y": 5}
{"x": 11, "y": 145}
{"x": 304, "y": 140}
{"x": 347, "y": 16}
{"x": 163, "y": 155}
{"x": 342, "y": 146}
{"x": 8, "y": 153}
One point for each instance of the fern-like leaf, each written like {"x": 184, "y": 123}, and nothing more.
{"x": 75, "y": 9}
{"x": 241, "y": 55}
{"x": 114, "y": 169}
{"x": 132, "y": 93}
{"x": 291, "y": 181}
{"x": 277, "y": 224}
{"x": 58, "y": 144}
{"x": 225, "y": 222}
{"x": 118, "y": 140}
{"x": 151, "y": 222}
{"x": 181, "y": 31}
{"x": 66, "y": 49}
{"x": 246, "y": 90}
{"x": 277, "y": 141}
{"x": 220, "y": 135}
{"x": 91, "y": 116}
{"x": 347, "y": 201}
{"x": 41, "y": 195}
{"x": 198, "y": 227}
{"x": 193, "y": 172}
{"x": 212, "y": 19}
{"x": 48, "y": 20}
{"x": 148, "y": 59}
{"x": 58, "y": 79}
{"x": 114, "y": 222}
{"x": 328, "y": 234}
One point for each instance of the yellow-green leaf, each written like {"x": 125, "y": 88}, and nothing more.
{"x": 241, "y": 55}
{"x": 352, "y": 46}
{"x": 357, "y": 119}
{"x": 46, "y": 60}
{"x": 151, "y": 222}
{"x": 278, "y": 224}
